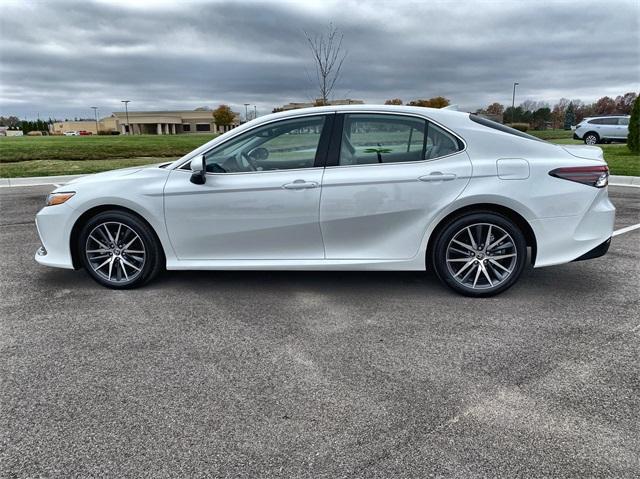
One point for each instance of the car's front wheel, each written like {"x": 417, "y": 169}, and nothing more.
{"x": 119, "y": 250}
{"x": 480, "y": 254}
{"x": 591, "y": 139}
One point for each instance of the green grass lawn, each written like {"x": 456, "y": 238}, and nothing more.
{"x": 61, "y": 155}
{"x": 82, "y": 148}
{"x": 60, "y": 167}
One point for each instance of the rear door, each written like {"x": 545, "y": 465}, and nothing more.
{"x": 610, "y": 128}
{"x": 387, "y": 176}
{"x": 623, "y": 128}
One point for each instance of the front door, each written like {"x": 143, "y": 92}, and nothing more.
{"x": 394, "y": 172}
{"x": 260, "y": 200}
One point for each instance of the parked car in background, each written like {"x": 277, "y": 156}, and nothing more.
{"x": 353, "y": 187}
{"x": 84, "y": 133}
{"x": 602, "y": 129}
{"x": 71, "y": 133}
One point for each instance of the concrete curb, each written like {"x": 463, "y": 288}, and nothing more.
{"x": 38, "y": 180}
{"x": 614, "y": 180}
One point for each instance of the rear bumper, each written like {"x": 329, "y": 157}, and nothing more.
{"x": 596, "y": 252}
{"x": 569, "y": 238}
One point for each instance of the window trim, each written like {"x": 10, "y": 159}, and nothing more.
{"x": 321, "y": 151}
{"x": 333, "y": 158}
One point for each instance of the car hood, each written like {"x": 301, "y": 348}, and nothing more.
{"x": 110, "y": 175}
{"x": 585, "y": 151}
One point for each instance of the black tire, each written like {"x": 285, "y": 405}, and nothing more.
{"x": 588, "y": 136}
{"x": 146, "y": 243}
{"x": 479, "y": 220}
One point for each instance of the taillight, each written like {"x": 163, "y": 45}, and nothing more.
{"x": 597, "y": 176}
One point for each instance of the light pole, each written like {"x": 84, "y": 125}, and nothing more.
{"x": 255, "y": 112}
{"x": 513, "y": 102}
{"x": 126, "y": 111}
{"x": 246, "y": 112}
{"x": 95, "y": 115}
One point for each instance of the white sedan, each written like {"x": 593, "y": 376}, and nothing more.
{"x": 341, "y": 188}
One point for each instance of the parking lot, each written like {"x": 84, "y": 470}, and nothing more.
{"x": 318, "y": 374}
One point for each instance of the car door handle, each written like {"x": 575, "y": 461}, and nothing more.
{"x": 300, "y": 185}
{"x": 438, "y": 176}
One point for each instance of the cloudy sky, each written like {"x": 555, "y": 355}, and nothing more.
{"x": 59, "y": 58}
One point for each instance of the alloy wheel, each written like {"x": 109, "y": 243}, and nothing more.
{"x": 481, "y": 256}
{"x": 591, "y": 140}
{"x": 115, "y": 252}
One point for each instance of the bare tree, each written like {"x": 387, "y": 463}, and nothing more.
{"x": 328, "y": 57}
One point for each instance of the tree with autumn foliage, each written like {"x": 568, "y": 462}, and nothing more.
{"x": 394, "y": 101}
{"x": 605, "y": 106}
{"x": 435, "y": 102}
{"x": 495, "y": 109}
{"x": 223, "y": 115}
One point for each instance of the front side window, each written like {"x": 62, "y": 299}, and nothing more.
{"x": 284, "y": 145}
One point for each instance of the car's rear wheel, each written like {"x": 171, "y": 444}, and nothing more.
{"x": 591, "y": 138}
{"x": 480, "y": 254}
{"x": 119, "y": 250}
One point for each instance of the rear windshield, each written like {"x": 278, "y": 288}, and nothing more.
{"x": 500, "y": 127}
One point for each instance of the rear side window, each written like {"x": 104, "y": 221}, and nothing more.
{"x": 604, "y": 121}
{"x": 500, "y": 127}
{"x": 623, "y": 121}
{"x": 374, "y": 138}
{"x": 370, "y": 139}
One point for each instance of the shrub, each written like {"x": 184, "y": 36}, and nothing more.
{"x": 633, "y": 141}
{"x": 519, "y": 126}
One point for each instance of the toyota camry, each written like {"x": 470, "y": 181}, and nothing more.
{"x": 341, "y": 188}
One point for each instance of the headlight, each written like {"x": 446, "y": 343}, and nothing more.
{"x": 59, "y": 198}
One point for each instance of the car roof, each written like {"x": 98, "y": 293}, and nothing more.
{"x": 448, "y": 117}
{"x": 605, "y": 116}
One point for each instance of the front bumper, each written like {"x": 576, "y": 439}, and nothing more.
{"x": 576, "y": 137}
{"x": 54, "y": 226}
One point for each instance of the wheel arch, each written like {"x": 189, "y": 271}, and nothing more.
{"x": 90, "y": 213}
{"x": 510, "y": 213}
{"x": 591, "y": 132}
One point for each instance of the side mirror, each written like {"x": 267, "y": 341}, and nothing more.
{"x": 199, "y": 170}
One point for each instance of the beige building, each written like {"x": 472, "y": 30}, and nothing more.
{"x": 170, "y": 122}
{"x": 60, "y": 127}
{"x": 295, "y": 106}
{"x": 149, "y": 123}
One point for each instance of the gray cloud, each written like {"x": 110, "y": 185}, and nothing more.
{"x": 59, "y": 58}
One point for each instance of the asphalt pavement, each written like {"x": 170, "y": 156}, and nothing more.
{"x": 318, "y": 374}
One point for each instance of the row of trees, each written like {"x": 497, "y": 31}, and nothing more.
{"x": 564, "y": 114}
{"x": 435, "y": 102}
{"x": 15, "y": 123}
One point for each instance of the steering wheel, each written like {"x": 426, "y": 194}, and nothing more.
{"x": 250, "y": 161}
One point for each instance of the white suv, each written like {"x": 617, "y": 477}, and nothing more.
{"x": 602, "y": 129}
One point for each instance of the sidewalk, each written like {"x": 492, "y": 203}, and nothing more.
{"x": 614, "y": 180}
